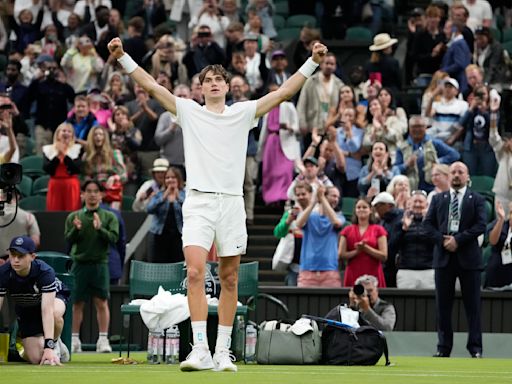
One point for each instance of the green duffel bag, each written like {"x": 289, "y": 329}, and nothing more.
{"x": 286, "y": 344}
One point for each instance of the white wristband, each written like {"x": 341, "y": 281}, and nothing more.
{"x": 308, "y": 68}
{"x": 127, "y": 63}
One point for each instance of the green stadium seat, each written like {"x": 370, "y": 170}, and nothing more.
{"x": 288, "y": 34}
{"x": 40, "y": 186}
{"x": 359, "y": 34}
{"x": 33, "y": 203}
{"x": 127, "y": 203}
{"x": 59, "y": 261}
{"x": 482, "y": 184}
{"x": 347, "y": 206}
{"x": 299, "y": 21}
{"x": 508, "y": 47}
{"x": 30, "y": 146}
{"x": 496, "y": 34}
{"x": 281, "y": 8}
{"x": 32, "y": 166}
{"x": 279, "y": 22}
{"x": 25, "y": 186}
{"x": 506, "y": 35}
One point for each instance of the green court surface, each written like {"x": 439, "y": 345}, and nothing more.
{"x": 95, "y": 368}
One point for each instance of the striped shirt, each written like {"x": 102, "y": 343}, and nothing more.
{"x": 26, "y": 291}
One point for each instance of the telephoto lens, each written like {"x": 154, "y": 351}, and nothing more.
{"x": 359, "y": 289}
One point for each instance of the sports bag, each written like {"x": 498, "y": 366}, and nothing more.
{"x": 278, "y": 344}
{"x": 352, "y": 346}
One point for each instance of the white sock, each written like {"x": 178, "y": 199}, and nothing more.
{"x": 199, "y": 333}
{"x": 102, "y": 335}
{"x": 223, "y": 337}
{"x": 75, "y": 336}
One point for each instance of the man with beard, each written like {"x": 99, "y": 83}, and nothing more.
{"x": 455, "y": 219}
{"x": 14, "y": 88}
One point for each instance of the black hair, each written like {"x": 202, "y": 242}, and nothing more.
{"x": 92, "y": 181}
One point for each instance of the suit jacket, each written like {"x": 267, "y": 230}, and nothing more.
{"x": 473, "y": 219}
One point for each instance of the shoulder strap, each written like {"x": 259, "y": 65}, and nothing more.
{"x": 385, "y": 347}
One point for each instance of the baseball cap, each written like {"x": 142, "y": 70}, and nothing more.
{"x": 160, "y": 165}
{"x": 311, "y": 160}
{"x": 278, "y": 53}
{"x": 22, "y": 244}
{"x": 452, "y": 82}
{"x": 417, "y": 12}
{"x": 383, "y": 197}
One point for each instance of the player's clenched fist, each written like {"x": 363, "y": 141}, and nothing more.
{"x": 116, "y": 47}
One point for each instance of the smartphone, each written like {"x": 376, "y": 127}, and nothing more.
{"x": 149, "y": 191}
{"x": 375, "y": 77}
{"x": 376, "y": 184}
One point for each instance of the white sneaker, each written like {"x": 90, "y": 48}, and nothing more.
{"x": 199, "y": 359}
{"x": 62, "y": 351}
{"x": 76, "y": 345}
{"x": 103, "y": 346}
{"x": 223, "y": 360}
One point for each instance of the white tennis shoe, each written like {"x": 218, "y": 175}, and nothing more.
{"x": 199, "y": 359}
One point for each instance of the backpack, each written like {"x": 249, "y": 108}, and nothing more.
{"x": 352, "y": 346}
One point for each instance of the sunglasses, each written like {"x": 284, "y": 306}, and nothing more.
{"x": 419, "y": 192}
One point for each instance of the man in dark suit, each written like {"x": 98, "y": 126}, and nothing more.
{"x": 455, "y": 219}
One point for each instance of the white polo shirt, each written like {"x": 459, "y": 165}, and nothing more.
{"x": 215, "y": 144}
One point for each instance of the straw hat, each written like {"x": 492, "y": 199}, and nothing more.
{"x": 382, "y": 41}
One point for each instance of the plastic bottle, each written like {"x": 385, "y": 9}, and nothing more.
{"x": 240, "y": 338}
{"x": 160, "y": 340}
{"x": 173, "y": 345}
{"x": 4, "y": 345}
{"x": 251, "y": 336}
{"x": 153, "y": 341}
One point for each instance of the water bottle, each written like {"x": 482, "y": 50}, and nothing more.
{"x": 239, "y": 338}
{"x": 160, "y": 340}
{"x": 153, "y": 341}
{"x": 172, "y": 343}
{"x": 4, "y": 345}
{"x": 251, "y": 336}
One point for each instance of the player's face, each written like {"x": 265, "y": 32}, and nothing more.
{"x": 20, "y": 262}
{"x": 214, "y": 86}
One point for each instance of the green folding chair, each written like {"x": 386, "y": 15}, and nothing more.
{"x": 281, "y": 8}
{"x": 25, "y": 186}
{"x": 359, "y": 34}
{"x": 33, "y": 203}
{"x": 60, "y": 262}
{"x": 40, "y": 185}
{"x": 279, "y": 22}
{"x": 288, "y": 34}
{"x": 299, "y": 21}
{"x": 145, "y": 278}
{"x": 347, "y": 206}
{"x": 506, "y": 35}
{"x": 32, "y": 166}
{"x": 127, "y": 203}
{"x": 69, "y": 281}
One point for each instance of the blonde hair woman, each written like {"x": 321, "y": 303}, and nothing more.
{"x": 429, "y": 91}
{"x": 105, "y": 165}
{"x": 440, "y": 179}
{"x": 400, "y": 189}
{"x": 62, "y": 161}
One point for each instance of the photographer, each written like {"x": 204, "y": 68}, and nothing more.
{"x": 364, "y": 297}
{"x": 478, "y": 154}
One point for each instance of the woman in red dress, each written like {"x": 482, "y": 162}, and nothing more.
{"x": 364, "y": 245}
{"x": 62, "y": 161}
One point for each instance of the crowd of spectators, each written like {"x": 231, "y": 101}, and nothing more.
{"x": 347, "y": 135}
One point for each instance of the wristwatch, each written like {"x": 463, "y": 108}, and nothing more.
{"x": 49, "y": 344}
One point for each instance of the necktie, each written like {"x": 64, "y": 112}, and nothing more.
{"x": 455, "y": 206}
{"x": 454, "y": 214}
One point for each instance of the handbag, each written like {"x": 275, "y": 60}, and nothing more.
{"x": 352, "y": 346}
{"x": 114, "y": 192}
{"x": 283, "y": 254}
{"x": 278, "y": 344}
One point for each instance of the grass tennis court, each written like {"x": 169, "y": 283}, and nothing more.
{"x": 96, "y": 368}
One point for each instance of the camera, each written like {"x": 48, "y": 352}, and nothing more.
{"x": 480, "y": 95}
{"x": 204, "y": 34}
{"x": 10, "y": 175}
{"x": 359, "y": 290}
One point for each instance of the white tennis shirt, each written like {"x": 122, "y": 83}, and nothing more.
{"x": 215, "y": 144}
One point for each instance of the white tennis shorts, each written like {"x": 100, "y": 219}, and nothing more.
{"x": 209, "y": 217}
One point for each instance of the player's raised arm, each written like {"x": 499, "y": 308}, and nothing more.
{"x": 291, "y": 86}
{"x": 144, "y": 79}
